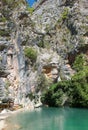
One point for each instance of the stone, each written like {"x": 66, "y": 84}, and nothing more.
{"x": 62, "y": 38}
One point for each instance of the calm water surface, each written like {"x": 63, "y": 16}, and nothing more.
{"x": 50, "y": 119}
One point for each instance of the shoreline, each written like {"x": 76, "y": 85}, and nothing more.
{"x": 4, "y": 116}
{"x": 3, "y": 120}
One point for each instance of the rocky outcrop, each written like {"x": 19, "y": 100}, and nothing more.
{"x": 57, "y": 30}
{"x": 69, "y": 24}
{"x": 3, "y": 71}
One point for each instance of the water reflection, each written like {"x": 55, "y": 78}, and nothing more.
{"x": 51, "y": 119}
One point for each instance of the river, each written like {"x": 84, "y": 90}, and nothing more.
{"x": 50, "y": 119}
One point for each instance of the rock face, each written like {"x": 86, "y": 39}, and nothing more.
{"x": 56, "y": 29}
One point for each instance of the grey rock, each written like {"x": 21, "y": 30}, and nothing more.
{"x": 60, "y": 37}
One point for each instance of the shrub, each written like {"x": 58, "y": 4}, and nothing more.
{"x": 4, "y": 33}
{"x": 30, "y": 96}
{"x": 75, "y": 89}
{"x": 54, "y": 95}
{"x": 42, "y": 83}
{"x": 80, "y": 91}
{"x": 13, "y": 3}
{"x": 64, "y": 14}
{"x": 79, "y": 62}
{"x": 0, "y": 58}
{"x": 3, "y": 19}
{"x": 30, "y": 9}
{"x": 7, "y": 84}
{"x": 30, "y": 53}
{"x": 41, "y": 44}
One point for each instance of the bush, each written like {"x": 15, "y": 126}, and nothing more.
{"x": 42, "y": 83}
{"x": 41, "y": 44}
{"x": 64, "y": 14}
{"x": 7, "y": 84}
{"x": 30, "y": 96}
{"x": 2, "y": 47}
{"x": 80, "y": 93}
{"x": 75, "y": 89}
{"x": 79, "y": 62}
{"x": 4, "y": 33}
{"x": 3, "y": 19}
{"x": 13, "y": 3}
{"x": 0, "y": 58}
{"x": 30, "y": 53}
{"x": 30, "y": 9}
{"x": 54, "y": 95}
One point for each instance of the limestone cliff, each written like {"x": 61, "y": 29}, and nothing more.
{"x": 57, "y": 30}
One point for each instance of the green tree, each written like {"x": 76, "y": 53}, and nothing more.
{"x": 30, "y": 53}
{"x": 75, "y": 89}
{"x": 79, "y": 62}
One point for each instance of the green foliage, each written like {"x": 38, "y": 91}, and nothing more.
{"x": 54, "y": 95}
{"x": 84, "y": 27}
{"x": 79, "y": 62}
{"x": 10, "y": 2}
{"x": 7, "y": 84}
{"x": 2, "y": 47}
{"x": 30, "y": 9}
{"x": 30, "y": 53}
{"x": 42, "y": 83}
{"x": 80, "y": 93}
{"x": 2, "y": 19}
{"x": 81, "y": 75}
{"x": 0, "y": 58}
{"x": 7, "y": 1}
{"x": 47, "y": 45}
{"x": 4, "y": 33}
{"x": 75, "y": 89}
{"x": 41, "y": 44}
{"x": 59, "y": 20}
{"x": 64, "y": 14}
{"x": 13, "y": 3}
{"x": 30, "y": 96}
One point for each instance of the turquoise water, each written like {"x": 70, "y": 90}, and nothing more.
{"x": 50, "y": 119}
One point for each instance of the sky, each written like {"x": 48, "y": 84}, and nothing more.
{"x": 31, "y": 2}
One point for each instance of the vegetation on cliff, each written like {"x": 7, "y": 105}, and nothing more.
{"x": 30, "y": 53}
{"x": 75, "y": 91}
{"x": 38, "y": 46}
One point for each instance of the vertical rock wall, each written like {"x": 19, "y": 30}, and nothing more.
{"x": 56, "y": 29}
